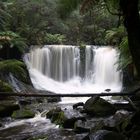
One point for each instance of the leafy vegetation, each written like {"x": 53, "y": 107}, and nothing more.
{"x": 32, "y": 22}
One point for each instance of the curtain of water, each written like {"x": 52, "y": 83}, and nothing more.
{"x": 57, "y": 68}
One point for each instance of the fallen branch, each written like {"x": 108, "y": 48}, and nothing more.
{"x": 51, "y": 94}
{"x": 63, "y": 95}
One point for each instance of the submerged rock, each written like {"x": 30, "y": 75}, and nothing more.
{"x": 23, "y": 113}
{"x": 105, "y": 135}
{"x": 97, "y": 106}
{"x": 7, "y": 108}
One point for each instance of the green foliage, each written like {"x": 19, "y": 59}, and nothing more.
{"x": 13, "y": 40}
{"x": 23, "y": 113}
{"x": 65, "y": 7}
{"x": 115, "y": 35}
{"x": 54, "y": 39}
{"x": 125, "y": 56}
{"x": 17, "y": 68}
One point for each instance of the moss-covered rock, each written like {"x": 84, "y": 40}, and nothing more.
{"x": 5, "y": 87}
{"x": 63, "y": 119}
{"x": 56, "y": 115}
{"x": 23, "y": 113}
{"x": 7, "y": 108}
{"x": 15, "y": 67}
{"x": 97, "y": 106}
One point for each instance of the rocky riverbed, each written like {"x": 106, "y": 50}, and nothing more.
{"x": 47, "y": 119}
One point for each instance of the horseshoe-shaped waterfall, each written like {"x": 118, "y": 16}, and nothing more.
{"x": 64, "y": 69}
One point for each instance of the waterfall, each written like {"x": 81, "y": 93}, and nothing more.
{"x": 57, "y": 68}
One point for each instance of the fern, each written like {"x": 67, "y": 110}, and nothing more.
{"x": 13, "y": 39}
{"x": 115, "y": 35}
{"x": 125, "y": 55}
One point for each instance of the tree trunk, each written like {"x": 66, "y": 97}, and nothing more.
{"x": 132, "y": 24}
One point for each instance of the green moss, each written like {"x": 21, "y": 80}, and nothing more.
{"x": 17, "y": 68}
{"x": 5, "y": 87}
{"x": 24, "y": 113}
{"x": 57, "y": 116}
{"x": 61, "y": 118}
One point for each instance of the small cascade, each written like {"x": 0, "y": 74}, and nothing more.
{"x": 57, "y": 68}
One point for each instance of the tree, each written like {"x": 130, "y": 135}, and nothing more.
{"x": 128, "y": 9}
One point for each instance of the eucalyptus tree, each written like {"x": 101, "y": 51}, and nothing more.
{"x": 127, "y": 9}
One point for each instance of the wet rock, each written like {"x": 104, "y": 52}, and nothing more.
{"x": 53, "y": 99}
{"x": 105, "y": 135}
{"x": 118, "y": 118}
{"x": 24, "y": 102}
{"x": 125, "y": 106}
{"x": 80, "y": 127}
{"x": 97, "y": 106}
{"x": 23, "y": 113}
{"x": 75, "y": 106}
{"x": 64, "y": 118}
{"x": 7, "y": 108}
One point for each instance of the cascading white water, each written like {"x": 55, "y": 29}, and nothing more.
{"x": 60, "y": 63}
{"x": 57, "y": 68}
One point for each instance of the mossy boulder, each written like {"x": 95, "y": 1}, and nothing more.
{"x": 23, "y": 113}
{"x": 56, "y": 115}
{"x": 15, "y": 67}
{"x": 7, "y": 108}
{"x": 5, "y": 87}
{"x": 60, "y": 117}
{"x": 97, "y": 106}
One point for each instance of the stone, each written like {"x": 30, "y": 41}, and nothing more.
{"x": 64, "y": 118}
{"x": 105, "y": 135}
{"x": 23, "y": 113}
{"x": 97, "y": 106}
{"x": 7, "y": 108}
{"x": 75, "y": 106}
{"x": 80, "y": 127}
{"x": 53, "y": 99}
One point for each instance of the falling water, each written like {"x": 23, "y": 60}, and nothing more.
{"x": 57, "y": 68}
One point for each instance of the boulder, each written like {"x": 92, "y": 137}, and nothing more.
{"x": 97, "y": 106}
{"x": 5, "y": 87}
{"x": 75, "y": 106}
{"x": 23, "y": 113}
{"x": 7, "y": 108}
{"x": 105, "y": 135}
{"x": 63, "y": 118}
